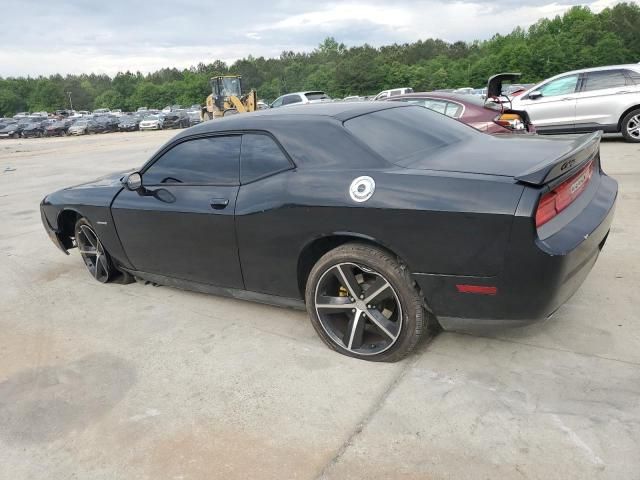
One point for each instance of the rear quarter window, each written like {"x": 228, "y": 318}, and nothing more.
{"x": 401, "y": 135}
{"x": 634, "y": 76}
{"x": 260, "y": 157}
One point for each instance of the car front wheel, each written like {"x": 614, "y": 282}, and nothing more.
{"x": 631, "y": 126}
{"x": 93, "y": 253}
{"x": 363, "y": 303}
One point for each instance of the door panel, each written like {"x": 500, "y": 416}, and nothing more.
{"x": 182, "y": 231}
{"x": 606, "y": 94}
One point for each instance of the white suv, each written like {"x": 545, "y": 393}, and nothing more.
{"x": 383, "y": 95}
{"x": 301, "y": 97}
{"x": 603, "y": 98}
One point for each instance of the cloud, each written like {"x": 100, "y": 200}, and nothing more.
{"x": 78, "y": 36}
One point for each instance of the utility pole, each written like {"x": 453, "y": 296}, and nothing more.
{"x": 70, "y": 102}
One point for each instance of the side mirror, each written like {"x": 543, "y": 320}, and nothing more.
{"x": 133, "y": 181}
{"x": 535, "y": 94}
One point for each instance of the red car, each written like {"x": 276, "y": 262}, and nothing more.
{"x": 489, "y": 117}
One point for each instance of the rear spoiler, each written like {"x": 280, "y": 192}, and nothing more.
{"x": 582, "y": 150}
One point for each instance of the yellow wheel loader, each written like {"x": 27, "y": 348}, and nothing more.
{"x": 227, "y": 98}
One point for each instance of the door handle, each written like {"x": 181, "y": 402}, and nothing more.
{"x": 624, "y": 91}
{"x": 566, "y": 99}
{"x": 219, "y": 203}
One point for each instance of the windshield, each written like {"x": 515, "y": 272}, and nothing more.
{"x": 151, "y": 117}
{"x": 317, "y": 96}
{"x": 230, "y": 86}
{"x": 406, "y": 134}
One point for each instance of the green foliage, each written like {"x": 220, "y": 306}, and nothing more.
{"x": 577, "y": 39}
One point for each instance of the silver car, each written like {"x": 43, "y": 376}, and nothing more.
{"x": 603, "y": 98}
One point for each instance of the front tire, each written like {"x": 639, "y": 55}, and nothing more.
{"x": 93, "y": 253}
{"x": 630, "y": 126}
{"x": 363, "y": 303}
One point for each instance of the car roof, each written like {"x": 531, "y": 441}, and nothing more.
{"x": 259, "y": 120}
{"x": 632, "y": 66}
{"x": 302, "y": 93}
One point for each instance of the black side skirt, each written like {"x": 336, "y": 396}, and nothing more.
{"x": 239, "y": 294}
{"x": 579, "y": 128}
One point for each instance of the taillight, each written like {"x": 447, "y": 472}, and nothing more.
{"x": 555, "y": 201}
{"x": 512, "y": 121}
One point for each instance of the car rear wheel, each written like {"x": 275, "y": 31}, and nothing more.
{"x": 363, "y": 303}
{"x": 93, "y": 253}
{"x": 631, "y": 126}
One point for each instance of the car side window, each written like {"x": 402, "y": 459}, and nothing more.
{"x": 289, "y": 99}
{"x": 277, "y": 102}
{"x": 393, "y": 93}
{"x": 454, "y": 110}
{"x": 603, "y": 80}
{"x": 439, "y": 106}
{"x": 634, "y": 76}
{"x": 202, "y": 161}
{"x": 260, "y": 156}
{"x": 560, "y": 86}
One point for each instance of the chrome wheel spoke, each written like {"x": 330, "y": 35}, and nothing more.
{"x": 382, "y": 323}
{"x": 90, "y": 236}
{"x": 377, "y": 289}
{"x": 348, "y": 280}
{"x": 355, "y": 330}
{"x": 338, "y": 304}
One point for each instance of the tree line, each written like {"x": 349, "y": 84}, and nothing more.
{"x": 577, "y": 39}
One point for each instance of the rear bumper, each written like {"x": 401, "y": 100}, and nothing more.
{"x": 537, "y": 277}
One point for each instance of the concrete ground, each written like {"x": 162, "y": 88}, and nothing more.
{"x": 142, "y": 382}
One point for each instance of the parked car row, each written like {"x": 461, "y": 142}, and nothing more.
{"x": 25, "y": 125}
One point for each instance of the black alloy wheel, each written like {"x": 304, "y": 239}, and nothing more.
{"x": 93, "y": 254}
{"x": 363, "y": 303}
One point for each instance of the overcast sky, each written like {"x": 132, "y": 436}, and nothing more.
{"x": 82, "y": 36}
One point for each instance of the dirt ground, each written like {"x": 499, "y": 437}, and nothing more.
{"x": 135, "y": 381}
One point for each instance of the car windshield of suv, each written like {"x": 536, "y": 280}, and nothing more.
{"x": 317, "y": 96}
{"x": 560, "y": 86}
{"x": 406, "y": 134}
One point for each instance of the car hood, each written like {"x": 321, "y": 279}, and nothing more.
{"x": 505, "y": 155}
{"x": 110, "y": 180}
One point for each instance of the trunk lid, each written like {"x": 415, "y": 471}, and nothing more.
{"x": 494, "y": 85}
{"x": 529, "y": 159}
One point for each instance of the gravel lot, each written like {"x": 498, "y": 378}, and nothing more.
{"x": 136, "y": 381}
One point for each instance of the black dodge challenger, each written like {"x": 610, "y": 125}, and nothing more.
{"x": 380, "y": 217}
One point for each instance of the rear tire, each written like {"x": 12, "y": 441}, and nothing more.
{"x": 389, "y": 317}
{"x": 630, "y": 126}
